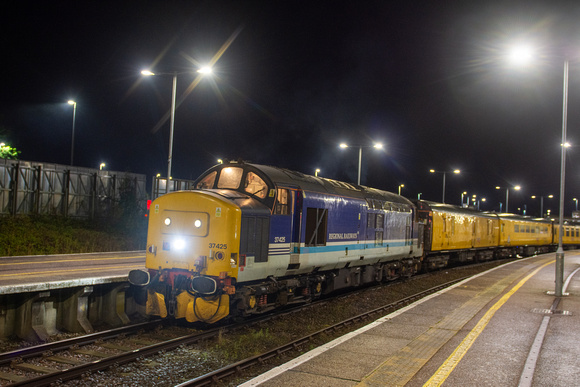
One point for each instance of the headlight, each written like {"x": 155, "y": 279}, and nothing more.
{"x": 167, "y": 221}
{"x": 179, "y": 244}
{"x": 197, "y": 223}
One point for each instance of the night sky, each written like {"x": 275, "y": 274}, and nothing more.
{"x": 428, "y": 79}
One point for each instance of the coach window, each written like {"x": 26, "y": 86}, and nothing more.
{"x": 282, "y": 206}
{"x": 208, "y": 181}
{"x": 517, "y": 228}
{"x": 255, "y": 185}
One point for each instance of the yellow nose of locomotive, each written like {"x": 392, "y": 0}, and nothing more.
{"x": 194, "y": 231}
{"x": 193, "y": 243}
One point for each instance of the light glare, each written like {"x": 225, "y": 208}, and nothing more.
{"x": 520, "y": 55}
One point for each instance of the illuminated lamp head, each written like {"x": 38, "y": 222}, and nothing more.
{"x": 179, "y": 244}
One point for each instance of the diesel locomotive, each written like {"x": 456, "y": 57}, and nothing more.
{"x": 250, "y": 238}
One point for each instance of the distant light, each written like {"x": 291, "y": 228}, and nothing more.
{"x": 483, "y": 199}
{"x": 205, "y": 70}
{"x": 517, "y": 187}
{"x": 550, "y": 196}
{"x": 497, "y": 187}
{"x": 566, "y": 145}
{"x": 316, "y": 172}
{"x": 432, "y": 170}
{"x": 147, "y": 73}
{"x": 343, "y": 145}
{"x": 457, "y": 171}
{"x": 521, "y": 55}
{"x": 220, "y": 161}
{"x": 378, "y": 145}
{"x": 533, "y": 196}
{"x": 103, "y": 165}
{"x": 71, "y": 102}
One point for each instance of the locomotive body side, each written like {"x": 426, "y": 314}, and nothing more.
{"x": 251, "y": 238}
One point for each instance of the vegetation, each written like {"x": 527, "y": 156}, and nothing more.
{"x": 8, "y": 152}
{"x": 39, "y": 235}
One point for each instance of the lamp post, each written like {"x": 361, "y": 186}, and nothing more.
{"x": 72, "y": 145}
{"x": 462, "y": 195}
{"x": 101, "y": 166}
{"x": 507, "y": 195}
{"x": 148, "y": 73}
{"x": 316, "y": 172}
{"x": 456, "y": 171}
{"x": 378, "y": 145}
{"x": 401, "y": 186}
{"x": 560, "y": 251}
{"x": 516, "y": 54}
{"x": 576, "y": 200}
{"x": 542, "y": 203}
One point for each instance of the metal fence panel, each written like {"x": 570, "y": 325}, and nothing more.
{"x": 52, "y": 189}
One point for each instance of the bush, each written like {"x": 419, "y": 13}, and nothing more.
{"x": 40, "y": 235}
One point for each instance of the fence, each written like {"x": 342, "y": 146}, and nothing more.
{"x": 52, "y": 189}
{"x": 160, "y": 186}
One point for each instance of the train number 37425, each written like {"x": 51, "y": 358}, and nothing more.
{"x": 222, "y": 246}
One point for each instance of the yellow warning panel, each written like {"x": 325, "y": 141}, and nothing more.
{"x": 156, "y": 304}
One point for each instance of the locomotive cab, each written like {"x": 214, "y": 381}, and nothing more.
{"x": 198, "y": 240}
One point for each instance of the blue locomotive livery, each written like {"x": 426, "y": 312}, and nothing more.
{"x": 251, "y": 238}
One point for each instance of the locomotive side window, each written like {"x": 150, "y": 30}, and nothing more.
{"x": 316, "y": 219}
{"x": 230, "y": 178}
{"x": 282, "y": 206}
{"x": 207, "y": 181}
{"x": 255, "y": 185}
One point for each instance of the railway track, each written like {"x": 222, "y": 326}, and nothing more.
{"x": 58, "y": 362}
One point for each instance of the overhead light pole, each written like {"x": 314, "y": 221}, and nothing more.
{"x": 401, "y": 186}
{"x": 560, "y": 251}
{"x": 377, "y": 145}
{"x": 72, "y": 145}
{"x": 507, "y": 195}
{"x": 525, "y": 55}
{"x": 456, "y": 171}
{"x": 203, "y": 71}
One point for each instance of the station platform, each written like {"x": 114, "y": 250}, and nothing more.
{"x": 504, "y": 327}
{"x": 21, "y": 274}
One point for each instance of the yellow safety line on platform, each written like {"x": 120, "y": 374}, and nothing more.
{"x": 68, "y": 260}
{"x": 72, "y": 270}
{"x": 449, "y": 365}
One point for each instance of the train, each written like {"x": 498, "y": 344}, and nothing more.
{"x": 251, "y": 238}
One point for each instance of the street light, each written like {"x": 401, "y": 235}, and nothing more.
{"x": 72, "y": 145}
{"x": 560, "y": 251}
{"x": 148, "y": 73}
{"x": 462, "y": 195}
{"x": 542, "y": 203}
{"x": 576, "y": 200}
{"x": 377, "y": 145}
{"x": 102, "y": 166}
{"x": 401, "y": 186}
{"x": 507, "y": 194}
{"x": 316, "y": 172}
{"x": 456, "y": 171}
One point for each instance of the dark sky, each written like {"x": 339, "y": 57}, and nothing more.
{"x": 429, "y": 79}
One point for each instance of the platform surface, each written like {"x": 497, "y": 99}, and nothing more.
{"x": 501, "y": 328}
{"x": 23, "y": 274}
